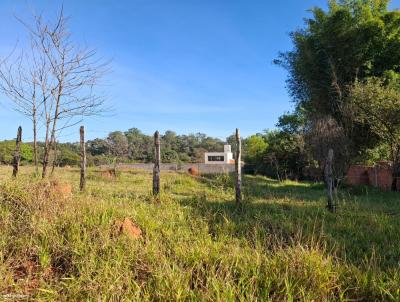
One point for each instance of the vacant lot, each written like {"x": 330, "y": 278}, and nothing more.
{"x": 282, "y": 245}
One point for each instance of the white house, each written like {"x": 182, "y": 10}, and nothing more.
{"x": 225, "y": 157}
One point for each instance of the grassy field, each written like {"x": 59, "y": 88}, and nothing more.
{"x": 282, "y": 245}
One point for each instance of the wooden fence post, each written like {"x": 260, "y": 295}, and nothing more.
{"x": 83, "y": 159}
{"x": 329, "y": 180}
{"x": 238, "y": 168}
{"x": 157, "y": 160}
{"x": 17, "y": 153}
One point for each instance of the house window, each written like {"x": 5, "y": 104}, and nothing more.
{"x": 215, "y": 158}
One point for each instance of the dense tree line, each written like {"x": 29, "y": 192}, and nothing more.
{"x": 278, "y": 153}
{"x": 135, "y": 146}
{"x": 128, "y": 146}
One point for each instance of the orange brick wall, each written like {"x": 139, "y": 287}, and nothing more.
{"x": 357, "y": 175}
{"x": 379, "y": 176}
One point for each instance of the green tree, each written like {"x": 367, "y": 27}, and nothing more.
{"x": 68, "y": 154}
{"x": 378, "y": 106}
{"x": 255, "y": 149}
{"x": 117, "y": 144}
{"x": 352, "y": 40}
{"x": 7, "y": 149}
{"x": 97, "y": 146}
{"x": 169, "y": 156}
{"x": 140, "y": 146}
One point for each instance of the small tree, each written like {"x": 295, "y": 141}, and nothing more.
{"x": 23, "y": 80}
{"x": 324, "y": 134}
{"x": 59, "y": 76}
{"x": 377, "y": 105}
{"x": 255, "y": 147}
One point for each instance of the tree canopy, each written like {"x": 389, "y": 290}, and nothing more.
{"x": 352, "y": 40}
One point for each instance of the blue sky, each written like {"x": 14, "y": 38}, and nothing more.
{"x": 184, "y": 65}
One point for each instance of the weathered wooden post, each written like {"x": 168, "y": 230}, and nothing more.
{"x": 238, "y": 168}
{"x": 157, "y": 160}
{"x": 17, "y": 153}
{"x": 83, "y": 158}
{"x": 329, "y": 180}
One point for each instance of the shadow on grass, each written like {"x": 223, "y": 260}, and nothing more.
{"x": 260, "y": 187}
{"x": 271, "y": 224}
{"x": 275, "y": 214}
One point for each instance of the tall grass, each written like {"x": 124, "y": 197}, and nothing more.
{"x": 197, "y": 246}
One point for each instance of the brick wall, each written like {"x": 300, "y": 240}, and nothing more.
{"x": 357, "y": 175}
{"x": 378, "y": 176}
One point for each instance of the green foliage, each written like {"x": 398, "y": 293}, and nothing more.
{"x": 7, "y": 149}
{"x": 373, "y": 155}
{"x": 352, "y": 40}
{"x": 280, "y": 153}
{"x": 129, "y": 146}
{"x": 68, "y": 155}
{"x": 133, "y": 145}
{"x": 285, "y": 155}
{"x": 377, "y": 105}
{"x": 169, "y": 156}
{"x": 255, "y": 146}
{"x": 97, "y": 147}
{"x": 117, "y": 144}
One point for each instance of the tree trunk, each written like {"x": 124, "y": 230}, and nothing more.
{"x": 45, "y": 159}
{"x": 157, "y": 160}
{"x": 55, "y": 158}
{"x": 396, "y": 168}
{"x": 35, "y": 148}
{"x": 238, "y": 169}
{"x": 49, "y": 145}
{"x": 46, "y": 148}
{"x": 329, "y": 180}
{"x": 53, "y": 128}
{"x": 17, "y": 153}
{"x": 83, "y": 159}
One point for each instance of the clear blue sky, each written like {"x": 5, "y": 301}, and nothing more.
{"x": 185, "y": 65}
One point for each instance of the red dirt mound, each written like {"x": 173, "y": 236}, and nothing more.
{"x": 129, "y": 228}
{"x": 108, "y": 174}
{"x": 61, "y": 188}
{"x": 193, "y": 171}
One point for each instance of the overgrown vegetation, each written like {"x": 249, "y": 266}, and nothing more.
{"x": 281, "y": 246}
{"x": 351, "y": 42}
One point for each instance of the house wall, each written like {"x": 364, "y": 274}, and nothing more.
{"x": 228, "y": 158}
{"x": 227, "y": 154}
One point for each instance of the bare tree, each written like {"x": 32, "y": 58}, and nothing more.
{"x": 75, "y": 71}
{"x": 22, "y": 78}
{"x": 63, "y": 73}
{"x": 325, "y": 133}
